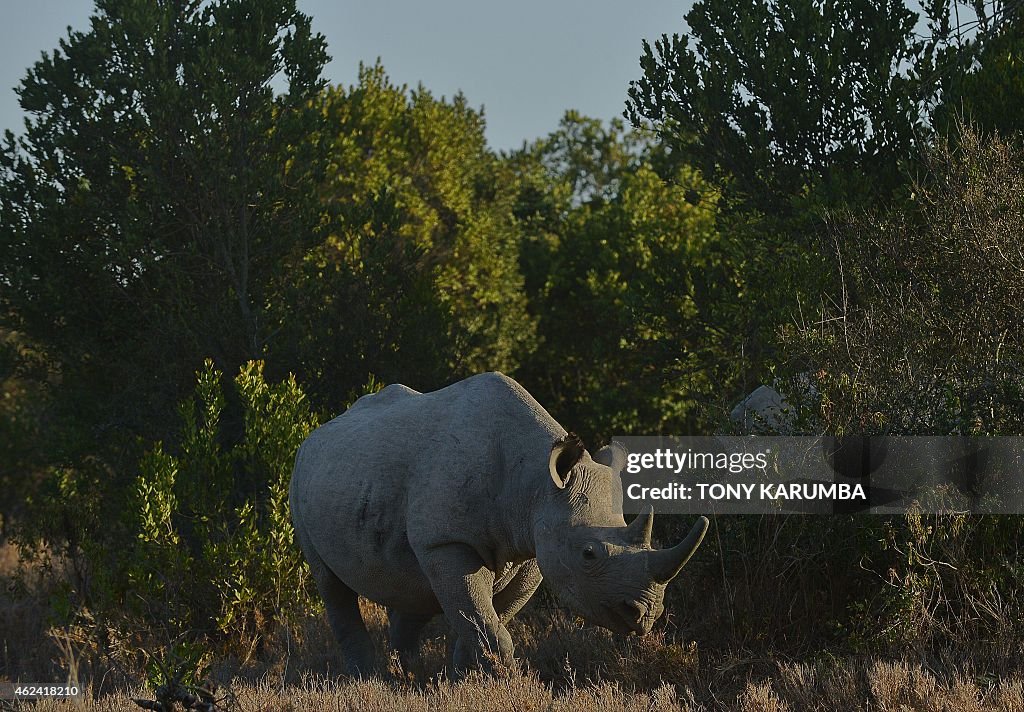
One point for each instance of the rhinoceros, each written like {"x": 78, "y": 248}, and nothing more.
{"x": 460, "y": 501}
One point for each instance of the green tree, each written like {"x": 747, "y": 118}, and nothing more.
{"x": 23, "y": 378}
{"x": 991, "y": 95}
{"x": 149, "y": 206}
{"x": 416, "y": 275}
{"x": 631, "y": 281}
{"x": 778, "y": 97}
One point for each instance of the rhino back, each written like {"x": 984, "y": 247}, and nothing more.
{"x": 401, "y": 470}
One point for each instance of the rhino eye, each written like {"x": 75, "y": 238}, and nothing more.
{"x": 588, "y": 552}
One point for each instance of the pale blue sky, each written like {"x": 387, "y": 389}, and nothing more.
{"x": 525, "y": 62}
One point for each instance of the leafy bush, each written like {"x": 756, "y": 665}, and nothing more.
{"x": 203, "y": 549}
{"x": 214, "y": 546}
{"x": 927, "y": 339}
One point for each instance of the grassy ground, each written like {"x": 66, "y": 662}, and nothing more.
{"x": 566, "y": 667}
{"x": 871, "y": 686}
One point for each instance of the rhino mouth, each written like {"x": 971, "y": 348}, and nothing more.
{"x": 625, "y": 616}
{"x": 628, "y": 616}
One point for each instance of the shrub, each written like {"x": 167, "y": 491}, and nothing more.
{"x": 214, "y": 541}
{"x": 202, "y": 549}
{"x": 926, "y": 339}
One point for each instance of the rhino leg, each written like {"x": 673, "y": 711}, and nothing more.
{"x": 342, "y": 604}
{"x": 404, "y": 631}
{"x": 510, "y": 600}
{"x": 464, "y": 587}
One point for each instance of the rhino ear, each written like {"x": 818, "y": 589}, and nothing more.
{"x": 565, "y": 453}
{"x": 612, "y": 455}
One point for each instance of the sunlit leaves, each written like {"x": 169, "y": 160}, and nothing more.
{"x": 416, "y": 278}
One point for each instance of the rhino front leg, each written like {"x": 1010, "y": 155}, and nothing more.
{"x": 464, "y": 587}
{"x": 511, "y": 599}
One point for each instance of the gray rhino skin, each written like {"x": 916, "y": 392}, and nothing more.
{"x": 458, "y": 501}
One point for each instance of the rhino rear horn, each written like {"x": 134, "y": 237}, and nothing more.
{"x": 664, "y": 565}
{"x": 638, "y": 533}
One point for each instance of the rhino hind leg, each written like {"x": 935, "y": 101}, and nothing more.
{"x": 342, "y": 605}
{"x": 404, "y": 631}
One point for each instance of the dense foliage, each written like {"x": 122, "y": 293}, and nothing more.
{"x": 927, "y": 338}
{"x": 782, "y": 98}
{"x": 635, "y": 265}
{"x": 153, "y": 199}
{"x": 199, "y": 548}
{"x": 414, "y": 275}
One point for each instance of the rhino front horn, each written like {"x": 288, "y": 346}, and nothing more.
{"x": 664, "y": 565}
{"x": 638, "y": 533}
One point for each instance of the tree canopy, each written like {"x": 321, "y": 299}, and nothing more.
{"x": 415, "y": 275}
{"x": 158, "y": 188}
{"x": 778, "y": 97}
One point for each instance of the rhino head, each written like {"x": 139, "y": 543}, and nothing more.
{"x": 605, "y": 571}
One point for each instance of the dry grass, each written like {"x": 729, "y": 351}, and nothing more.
{"x": 566, "y": 667}
{"x": 24, "y": 644}
{"x": 878, "y": 686}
